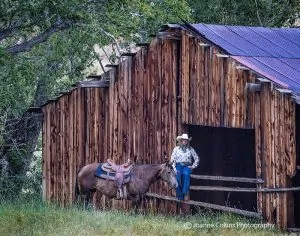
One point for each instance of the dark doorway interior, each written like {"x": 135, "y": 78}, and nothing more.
{"x": 296, "y": 179}
{"x": 224, "y": 152}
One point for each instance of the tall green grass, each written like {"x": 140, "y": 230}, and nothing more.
{"x": 33, "y": 217}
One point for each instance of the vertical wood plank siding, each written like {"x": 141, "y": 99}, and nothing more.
{"x": 151, "y": 98}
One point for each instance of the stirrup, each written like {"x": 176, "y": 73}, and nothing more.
{"x": 124, "y": 192}
{"x": 119, "y": 194}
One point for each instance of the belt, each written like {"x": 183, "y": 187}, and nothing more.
{"x": 184, "y": 163}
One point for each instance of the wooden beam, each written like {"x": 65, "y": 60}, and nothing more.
{"x": 49, "y": 101}
{"x": 52, "y": 99}
{"x": 227, "y": 178}
{"x": 242, "y": 68}
{"x": 168, "y": 37}
{"x": 237, "y": 189}
{"x": 296, "y": 99}
{"x": 93, "y": 84}
{"x": 222, "y": 55}
{"x": 293, "y": 229}
{"x": 274, "y": 190}
{"x": 225, "y": 189}
{"x": 171, "y": 25}
{"x": 168, "y": 34}
{"x": 208, "y": 205}
{"x": 204, "y": 45}
{"x": 112, "y": 65}
{"x": 253, "y": 87}
{"x": 94, "y": 76}
{"x": 142, "y": 44}
{"x": 129, "y": 54}
{"x": 34, "y": 109}
{"x": 67, "y": 92}
{"x": 283, "y": 90}
{"x": 263, "y": 80}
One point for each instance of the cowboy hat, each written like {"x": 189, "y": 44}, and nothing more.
{"x": 184, "y": 136}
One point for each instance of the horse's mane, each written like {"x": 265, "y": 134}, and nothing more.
{"x": 145, "y": 166}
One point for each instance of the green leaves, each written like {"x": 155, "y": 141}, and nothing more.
{"x": 256, "y": 13}
{"x": 65, "y": 54}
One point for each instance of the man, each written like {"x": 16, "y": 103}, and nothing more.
{"x": 184, "y": 158}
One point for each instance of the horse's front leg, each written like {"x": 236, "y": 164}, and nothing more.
{"x": 136, "y": 202}
{"x": 139, "y": 204}
{"x": 143, "y": 204}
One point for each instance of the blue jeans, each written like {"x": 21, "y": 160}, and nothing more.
{"x": 183, "y": 179}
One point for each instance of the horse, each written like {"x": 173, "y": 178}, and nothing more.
{"x": 142, "y": 177}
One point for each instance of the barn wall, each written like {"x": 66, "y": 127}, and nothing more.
{"x": 72, "y": 137}
{"x": 134, "y": 118}
{"x": 165, "y": 85}
{"x": 276, "y": 153}
{"x": 213, "y": 89}
{"x": 213, "y": 94}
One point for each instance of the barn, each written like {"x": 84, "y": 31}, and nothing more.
{"x": 234, "y": 89}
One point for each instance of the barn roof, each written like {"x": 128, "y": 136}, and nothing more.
{"x": 272, "y": 52}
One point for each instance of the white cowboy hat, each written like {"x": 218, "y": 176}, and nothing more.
{"x": 183, "y": 136}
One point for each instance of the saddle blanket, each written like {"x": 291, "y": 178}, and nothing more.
{"x": 110, "y": 175}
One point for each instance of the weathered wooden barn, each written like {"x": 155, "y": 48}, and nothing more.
{"x": 234, "y": 89}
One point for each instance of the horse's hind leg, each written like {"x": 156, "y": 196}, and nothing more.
{"x": 97, "y": 196}
{"x": 83, "y": 197}
{"x": 135, "y": 205}
{"x": 88, "y": 198}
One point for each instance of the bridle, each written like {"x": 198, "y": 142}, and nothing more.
{"x": 166, "y": 165}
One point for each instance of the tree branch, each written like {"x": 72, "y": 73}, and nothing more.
{"x": 99, "y": 60}
{"x": 5, "y": 33}
{"x": 257, "y": 13}
{"x": 29, "y": 44}
{"x": 13, "y": 26}
{"x": 113, "y": 38}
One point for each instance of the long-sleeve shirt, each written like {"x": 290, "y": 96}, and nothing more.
{"x": 179, "y": 155}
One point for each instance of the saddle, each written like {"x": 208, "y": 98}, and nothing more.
{"x": 120, "y": 174}
{"x": 111, "y": 167}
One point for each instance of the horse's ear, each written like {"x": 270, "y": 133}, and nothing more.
{"x": 135, "y": 159}
{"x": 166, "y": 159}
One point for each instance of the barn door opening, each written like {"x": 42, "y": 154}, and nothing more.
{"x": 224, "y": 152}
{"x": 296, "y": 179}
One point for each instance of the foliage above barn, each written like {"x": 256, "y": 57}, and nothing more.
{"x": 45, "y": 45}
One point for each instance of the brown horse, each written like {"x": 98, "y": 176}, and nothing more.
{"x": 142, "y": 176}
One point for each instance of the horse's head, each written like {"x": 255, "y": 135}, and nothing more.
{"x": 168, "y": 175}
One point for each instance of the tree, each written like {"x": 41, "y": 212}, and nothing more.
{"x": 266, "y": 13}
{"x": 45, "y": 45}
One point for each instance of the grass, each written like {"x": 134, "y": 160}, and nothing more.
{"x": 34, "y": 217}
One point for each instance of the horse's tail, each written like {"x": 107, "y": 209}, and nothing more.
{"x": 77, "y": 189}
